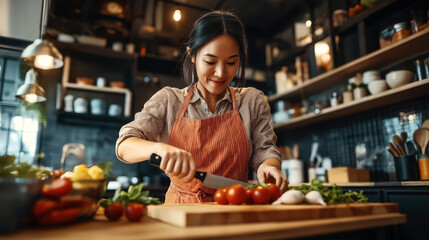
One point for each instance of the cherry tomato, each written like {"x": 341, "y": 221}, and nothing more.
{"x": 134, "y": 212}
{"x": 42, "y": 207}
{"x": 275, "y": 191}
{"x": 113, "y": 211}
{"x": 249, "y": 199}
{"x": 58, "y": 187}
{"x": 261, "y": 195}
{"x": 236, "y": 194}
{"x": 57, "y": 174}
{"x": 220, "y": 196}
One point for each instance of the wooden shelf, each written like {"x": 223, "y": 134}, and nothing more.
{"x": 406, "y": 92}
{"x": 363, "y": 15}
{"x": 94, "y": 50}
{"x": 86, "y": 119}
{"x": 403, "y": 50}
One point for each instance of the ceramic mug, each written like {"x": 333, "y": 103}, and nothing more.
{"x": 115, "y": 110}
{"x": 80, "y": 105}
{"x": 98, "y": 106}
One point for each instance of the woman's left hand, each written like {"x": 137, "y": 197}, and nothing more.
{"x": 268, "y": 172}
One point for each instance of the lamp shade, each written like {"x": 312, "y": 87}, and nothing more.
{"x": 42, "y": 54}
{"x": 30, "y": 91}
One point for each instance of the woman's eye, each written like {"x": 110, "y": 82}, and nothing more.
{"x": 210, "y": 63}
{"x": 231, "y": 63}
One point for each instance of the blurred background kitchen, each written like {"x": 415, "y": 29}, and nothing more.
{"x": 342, "y": 78}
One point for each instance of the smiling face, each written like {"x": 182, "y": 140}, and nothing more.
{"x": 216, "y": 63}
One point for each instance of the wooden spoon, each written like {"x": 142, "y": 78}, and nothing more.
{"x": 404, "y": 137}
{"x": 295, "y": 151}
{"x": 421, "y": 139}
{"x": 393, "y": 150}
{"x": 399, "y": 145}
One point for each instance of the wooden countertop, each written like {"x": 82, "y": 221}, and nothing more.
{"x": 101, "y": 228}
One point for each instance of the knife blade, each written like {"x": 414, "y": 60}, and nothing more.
{"x": 207, "y": 179}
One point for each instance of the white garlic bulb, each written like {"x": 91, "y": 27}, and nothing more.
{"x": 290, "y": 197}
{"x": 314, "y": 197}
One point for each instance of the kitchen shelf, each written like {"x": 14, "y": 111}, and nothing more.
{"x": 66, "y": 85}
{"x": 85, "y": 119}
{"x": 94, "y": 50}
{"x": 391, "y": 96}
{"x": 403, "y": 50}
{"x": 363, "y": 15}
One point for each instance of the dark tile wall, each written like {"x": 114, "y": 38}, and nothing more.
{"x": 375, "y": 128}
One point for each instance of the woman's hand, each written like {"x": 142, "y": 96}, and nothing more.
{"x": 268, "y": 171}
{"x": 176, "y": 162}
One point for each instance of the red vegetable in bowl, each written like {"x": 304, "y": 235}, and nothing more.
{"x": 58, "y": 187}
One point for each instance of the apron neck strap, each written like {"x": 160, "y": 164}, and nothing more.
{"x": 189, "y": 96}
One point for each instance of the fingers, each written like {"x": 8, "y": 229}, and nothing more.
{"x": 270, "y": 172}
{"x": 178, "y": 163}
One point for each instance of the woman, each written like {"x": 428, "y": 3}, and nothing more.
{"x": 208, "y": 125}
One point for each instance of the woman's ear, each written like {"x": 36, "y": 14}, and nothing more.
{"x": 188, "y": 50}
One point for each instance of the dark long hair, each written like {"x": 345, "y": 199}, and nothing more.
{"x": 206, "y": 28}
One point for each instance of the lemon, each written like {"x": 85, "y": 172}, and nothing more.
{"x": 96, "y": 173}
{"x": 80, "y": 172}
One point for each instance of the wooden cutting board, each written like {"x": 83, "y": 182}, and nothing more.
{"x": 200, "y": 214}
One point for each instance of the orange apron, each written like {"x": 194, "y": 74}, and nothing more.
{"x": 218, "y": 145}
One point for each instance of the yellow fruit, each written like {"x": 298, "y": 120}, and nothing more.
{"x": 80, "y": 172}
{"x": 96, "y": 173}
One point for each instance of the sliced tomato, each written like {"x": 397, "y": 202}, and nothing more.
{"x": 58, "y": 187}
{"x": 43, "y": 206}
{"x": 60, "y": 216}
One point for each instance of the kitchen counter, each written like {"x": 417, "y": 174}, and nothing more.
{"x": 375, "y": 184}
{"x": 101, "y": 228}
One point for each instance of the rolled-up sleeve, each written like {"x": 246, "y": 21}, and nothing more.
{"x": 147, "y": 124}
{"x": 263, "y": 136}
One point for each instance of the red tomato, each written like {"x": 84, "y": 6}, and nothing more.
{"x": 220, "y": 196}
{"x": 60, "y": 216}
{"x": 275, "y": 191}
{"x": 113, "y": 211}
{"x": 134, "y": 212}
{"x": 42, "y": 207}
{"x": 261, "y": 195}
{"x": 249, "y": 199}
{"x": 58, "y": 187}
{"x": 56, "y": 174}
{"x": 236, "y": 194}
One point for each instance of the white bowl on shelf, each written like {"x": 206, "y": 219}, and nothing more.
{"x": 399, "y": 78}
{"x": 377, "y": 86}
{"x": 370, "y": 76}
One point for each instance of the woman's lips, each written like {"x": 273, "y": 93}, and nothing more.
{"x": 218, "y": 83}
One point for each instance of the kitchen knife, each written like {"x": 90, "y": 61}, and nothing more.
{"x": 208, "y": 179}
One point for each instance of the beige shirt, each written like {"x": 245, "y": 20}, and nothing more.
{"x": 155, "y": 121}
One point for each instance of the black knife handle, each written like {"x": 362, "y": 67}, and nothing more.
{"x": 155, "y": 160}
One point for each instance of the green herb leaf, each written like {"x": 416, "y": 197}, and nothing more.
{"x": 134, "y": 191}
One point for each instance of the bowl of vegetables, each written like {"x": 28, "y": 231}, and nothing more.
{"x": 20, "y": 186}
{"x": 71, "y": 196}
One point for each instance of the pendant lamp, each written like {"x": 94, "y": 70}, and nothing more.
{"x": 42, "y": 53}
{"x": 30, "y": 91}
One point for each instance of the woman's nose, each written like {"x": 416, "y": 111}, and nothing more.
{"x": 219, "y": 71}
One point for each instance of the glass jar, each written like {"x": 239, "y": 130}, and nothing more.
{"x": 385, "y": 36}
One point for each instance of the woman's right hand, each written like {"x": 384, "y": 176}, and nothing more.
{"x": 176, "y": 162}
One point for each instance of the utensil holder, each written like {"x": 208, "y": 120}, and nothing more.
{"x": 424, "y": 167}
{"x": 406, "y": 168}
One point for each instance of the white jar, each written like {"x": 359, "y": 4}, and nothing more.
{"x": 68, "y": 103}
{"x": 80, "y": 105}
{"x": 115, "y": 110}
